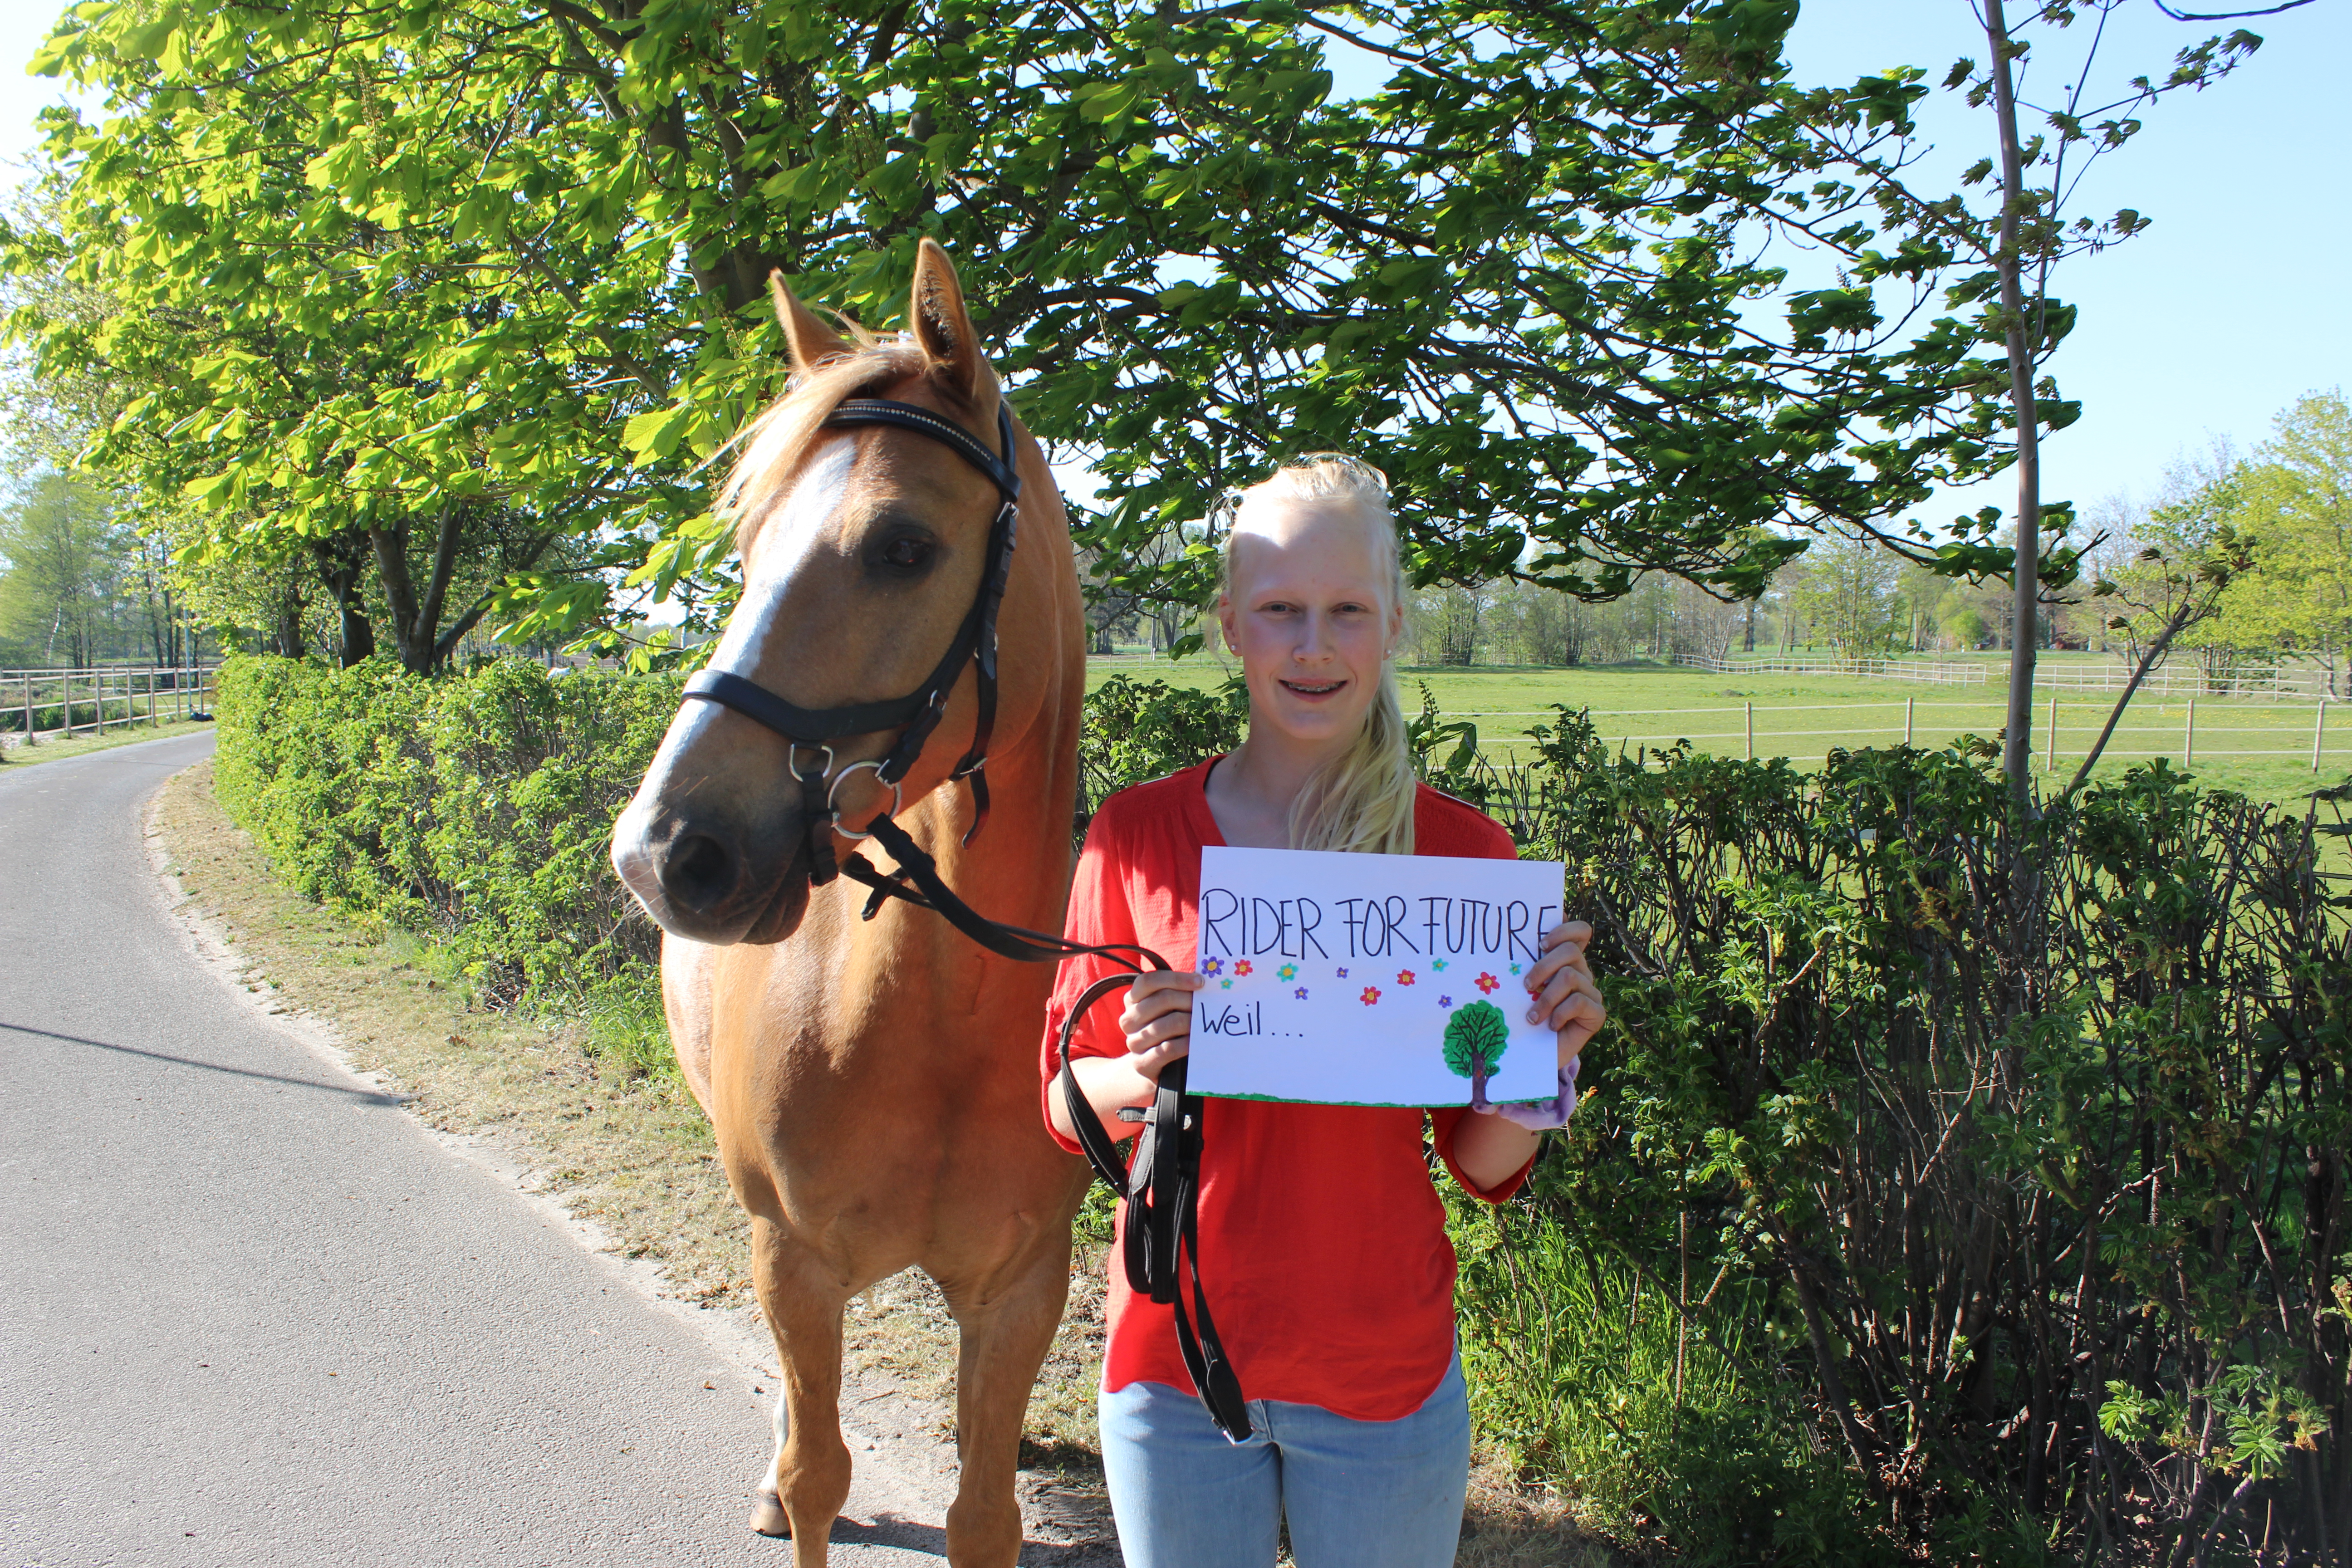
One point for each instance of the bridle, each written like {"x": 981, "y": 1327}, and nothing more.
{"x": 917, "y": 713}
{"x": 1162, "y": 1184}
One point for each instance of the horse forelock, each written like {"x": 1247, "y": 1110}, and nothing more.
{"x": 776, "y": 445}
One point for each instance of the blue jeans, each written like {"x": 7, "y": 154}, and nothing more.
{"x": 1358, "y": 1494}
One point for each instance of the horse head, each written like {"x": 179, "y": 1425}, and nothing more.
{"x": 864, "y": 551}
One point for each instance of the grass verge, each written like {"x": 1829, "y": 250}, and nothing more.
{"x": 15, "y": 750}
{"x": 593, "y": 1104}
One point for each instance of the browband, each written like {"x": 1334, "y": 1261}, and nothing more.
{"x": 940, "y": 428}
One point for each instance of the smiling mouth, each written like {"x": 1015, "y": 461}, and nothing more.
{"x": 1313, "y": 687}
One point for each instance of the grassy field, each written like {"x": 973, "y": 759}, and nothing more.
{"x": 2262, "y": 748}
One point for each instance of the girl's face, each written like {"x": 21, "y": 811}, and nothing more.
{"x": 1308, "y": 610}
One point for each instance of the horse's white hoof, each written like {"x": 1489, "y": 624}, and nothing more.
{"x": 768, "y": 1516}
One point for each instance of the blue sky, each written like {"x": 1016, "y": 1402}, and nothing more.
{"x": 2233, "y": 303}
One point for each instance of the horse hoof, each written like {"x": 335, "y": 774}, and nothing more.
{"x": 768, "y": 1516}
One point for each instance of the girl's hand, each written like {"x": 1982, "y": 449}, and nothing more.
{"x": 1565, "y": 997}
{"x": 1567, "y": 1001}
{"x": 1158, "y": 1020}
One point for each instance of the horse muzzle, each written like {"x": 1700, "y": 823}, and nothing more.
{"x": 710, "y": 879}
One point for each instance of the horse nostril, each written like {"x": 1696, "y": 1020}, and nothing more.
{"x": 698, "y": 873}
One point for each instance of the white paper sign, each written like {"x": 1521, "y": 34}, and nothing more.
{"x": 1370, "y": 979}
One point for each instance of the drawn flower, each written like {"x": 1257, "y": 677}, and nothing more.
{"x": 1487, "y": 983}
{"x": 1515, "y": 969}
{"x": 1300, "y": 993}
{"x": 1288, "y": 971}
{"x": 1242, "y": 967}
{"x": 1213, "y": 966}
{"x": 1343, "y": 975}
{"x": 1445, "y": 1001}
{"x": 1404, "y": 976}
{"x": 1437, "y": 964}
{"x": 1371, "y": 995}
{"x": 1224, "y": 985}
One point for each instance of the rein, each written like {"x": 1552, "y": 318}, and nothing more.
{"x": 1160, "y": 1185}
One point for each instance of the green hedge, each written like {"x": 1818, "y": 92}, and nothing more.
{"x": 1952, "y": 1184}
{"x": 478, "y": 808}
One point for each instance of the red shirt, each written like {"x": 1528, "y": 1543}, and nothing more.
{"x": 1322, "y": 1243}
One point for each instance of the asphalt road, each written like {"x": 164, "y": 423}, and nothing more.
{"x": 252, "y": 1313}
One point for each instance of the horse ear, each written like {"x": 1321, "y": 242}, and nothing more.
{"x": 942, "y": 325}
{"x": 810, "y": 339}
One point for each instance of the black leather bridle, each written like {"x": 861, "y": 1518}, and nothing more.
{"x": 1160, "y": 1185}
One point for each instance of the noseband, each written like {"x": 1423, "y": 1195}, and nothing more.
{"x": 1160, "y": 1184}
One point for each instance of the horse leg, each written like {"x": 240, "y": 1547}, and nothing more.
{"x": 809, "y": 1479}
{"x": 1003, "y": 1342}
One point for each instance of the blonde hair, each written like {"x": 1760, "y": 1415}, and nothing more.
{"x": 1361, "y": 800}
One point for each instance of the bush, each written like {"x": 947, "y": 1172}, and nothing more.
{"x": 1986, "y": 1169}
{"x": 475, "y": 807}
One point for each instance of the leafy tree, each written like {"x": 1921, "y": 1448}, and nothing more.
{"x": 59, "y": 597}
{"x": 403, "y": 268}
{"x": 1848, "y": 592}
{"x": 2295, "y": 500}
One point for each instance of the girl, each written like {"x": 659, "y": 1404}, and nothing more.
{"x": 1321, "y": 1242}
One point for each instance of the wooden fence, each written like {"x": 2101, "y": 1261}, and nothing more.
{"x": 1934, "y": 672}
{"x": 63, "y": 703}
{"x": 2150, "y": 729}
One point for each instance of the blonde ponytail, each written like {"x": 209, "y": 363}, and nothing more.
{"x": 1361, "y": 800}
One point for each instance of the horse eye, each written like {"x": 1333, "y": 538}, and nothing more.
{"x": 906, "y": 554}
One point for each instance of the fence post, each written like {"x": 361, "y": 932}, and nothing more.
{"x": 29, "y": 708}
{"x": 2189, "y": 738}
{"x": 2318, "y": 733}
{"x": 2050, "y": 752}
{"x": 1909, "y": 704}
{"x": 1751, "y": 707}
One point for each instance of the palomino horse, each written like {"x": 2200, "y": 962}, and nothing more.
{"x": 873, "y": 1084}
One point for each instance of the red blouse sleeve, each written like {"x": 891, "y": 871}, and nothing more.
{"x": 1098, "y": 913}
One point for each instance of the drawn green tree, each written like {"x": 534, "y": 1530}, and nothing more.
{"x": 1478, "y": 1029}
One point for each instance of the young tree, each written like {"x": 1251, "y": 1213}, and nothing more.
{"x": 2005, "y": 248}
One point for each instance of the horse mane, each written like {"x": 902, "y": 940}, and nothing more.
{"x": 777, "y": 442}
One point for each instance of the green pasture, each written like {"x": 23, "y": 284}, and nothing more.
{"x": 2261, "y": 747}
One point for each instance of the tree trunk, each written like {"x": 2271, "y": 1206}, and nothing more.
{"x": 2017, "y": 747}
{"x": 339, "y": 561}
{"x": 290, "y": 627}
{"x": 416, "y": 617}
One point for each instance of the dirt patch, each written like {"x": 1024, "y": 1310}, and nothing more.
{"x": 632, "y": 1152}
